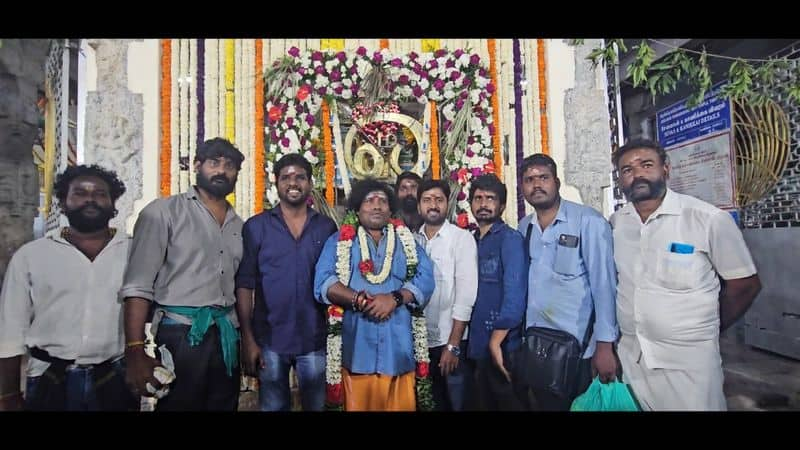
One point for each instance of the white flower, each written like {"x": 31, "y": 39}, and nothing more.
{"x": 475, "y": 123}
{"x": 294, "y": 142}
{"x": 464, "y": 60}
{"x": 272, "y": 195}
{"x": 347, "y": 94}
{"x": 449, "y": 111}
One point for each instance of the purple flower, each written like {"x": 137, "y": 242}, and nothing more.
{"x": 490, "y": 88}
{"x": 438, "y": 84}
{"x": 273, "y": 135}
{"x": 470, "y": 153}
{"x": 338, "y": 90}
{"x": 316, "y": 56}
{"x": 450, "y": 63}
{"x": 301, "y": 71}
{"x": 323, "y": 90}
{"x": 285, "y": 142}
{"x": 294, "y": 51}
{"x": 377, "y": 58}
{"x": 446, "y": 125}
{"x": 455, "y": 75}
{"x": 463, "y": 94}
{"x": 396, "y": 62}
{"x": 354, "y": 89}
{"x": 413, "y": 55}
{"x": 341, "y": 56}
{"x": 470, "y": 140}
{"x": 466, "y": 82}
{"x": 417, "y": 91}
{"x": 392, "y": 86}
{"x": 474, "y": 60}
{"x": 402, "y": 79}
{"x": 432, "y": 64}
{"x": 491, "y": 129}
{"x": 461, "y": 194}
{"x": 458, "y": 53}
{"x": 289, "y": 122}
{"x": 476, "y": 172}
{"x": 439, "y": 53}
{"x": 303, "y": 142}
{"x": 423, "y": 74}
{"x": 482, "y": 72}
{"x": 310, "y": 120}
{"x": 454, "y": 175}
{"x": 459, "y": 104}
{"x": 336, "y": 75}
{"x": 353, "y": 70}
{"x": 319, "y": 70}
{"x": 361, "y": 51}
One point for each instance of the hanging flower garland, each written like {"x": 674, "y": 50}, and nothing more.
{"x": 452, "y": 79}
{"x": 434, "y": 139}
{"x": 258, "y": 156}
{"x": 498, "y": 156}
{"x": 541, "y": 69}
{"x": 166, "y": 109}
{"x": 327, "y": 151}
{"x": 333, "y": 372}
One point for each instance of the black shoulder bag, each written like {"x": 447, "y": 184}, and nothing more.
{"x": 549, "y": 359}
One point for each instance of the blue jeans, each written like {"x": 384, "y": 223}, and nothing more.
{"x": 274, "y": 393}
{"x": 83, "y": 391}
{"x": 450, "y": 392}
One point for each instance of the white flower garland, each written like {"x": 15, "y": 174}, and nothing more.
{"x": 387, "y": 261}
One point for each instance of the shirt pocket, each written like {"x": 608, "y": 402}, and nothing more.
{"x": 567, "y": 261}
{"x": 490, "y": 268}
{"x": 679, "y": 271}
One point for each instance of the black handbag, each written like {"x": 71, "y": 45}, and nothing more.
{"x": 549, "y": 359}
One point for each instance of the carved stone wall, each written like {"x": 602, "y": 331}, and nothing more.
{"x": 21, "y": 75}
{"x": 114, "y": 122}
{"x": 588, "y": 150}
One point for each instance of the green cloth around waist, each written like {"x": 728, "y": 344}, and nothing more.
{"x": 202, "y": 318}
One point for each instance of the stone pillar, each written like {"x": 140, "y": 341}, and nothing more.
{"x": 588, "y": 148}
{"x": 114, "y": 122}
{"x": 22, "y": 66}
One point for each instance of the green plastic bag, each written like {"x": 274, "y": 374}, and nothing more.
{"x": 613, "y": 396}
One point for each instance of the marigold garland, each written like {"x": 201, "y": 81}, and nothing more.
{"x": 540, "y": 62}
{"x": 258, "y": 125}
{"x": 435, "y": 165}
{"x": 384, "y": 43}
{"x": 230, "y": 105}
{"x": 166, "y": 97}
{"x": 330, "y": 188}
{"x": 498, "y": 156}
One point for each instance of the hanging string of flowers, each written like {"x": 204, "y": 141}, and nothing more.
{"x": 258, "y": 125}
{"x": 540, "y": 63}
{"x": 166, "y": 138}
{"x": 435, "y": 167}
{"x": 330, "y": 186}
{"x": 495, "y": 126}
{"x": 384, "y": 44}
{"x": 230, "y": 105}
{"x": 518, "y": 126}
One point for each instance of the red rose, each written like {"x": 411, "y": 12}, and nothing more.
{"x": 422, "y": 370}
{"x": 333, "y": 393}
{"x": 462, "y": 220}
{"x": 303, "y": 92}
{"x": 366, "y": 267}
{"x": 397, "y": 223}
{"x": 335, "y": 311}
{"x": 347, "y": 233}
{"x": 488, "y": 167}
{"x": 275, "y": 113}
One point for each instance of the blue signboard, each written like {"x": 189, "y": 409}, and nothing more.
{"x": 677, "y": 124}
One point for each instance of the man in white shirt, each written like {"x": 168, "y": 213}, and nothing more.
{"x": 455, "y": 262}
{"x": 60, "y": 302}
{"x": 671, "y": 251}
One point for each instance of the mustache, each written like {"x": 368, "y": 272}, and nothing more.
{"x": 483, "y": 210}
{"x": 540, "y": 191}
{"x": 219, "y": 177}
{"x": 433, "y": 210}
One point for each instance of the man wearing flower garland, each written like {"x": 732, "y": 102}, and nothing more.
{"x": 375, "y": 271}
{"x": 286, "y": 326}
{"x": 455, "y": 261}
{"x": 495, "y": 326}
{"x": 185, "y": 252}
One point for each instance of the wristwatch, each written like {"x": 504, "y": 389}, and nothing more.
{"x": 398, "y": 298}
{"x": 454, "y": 349}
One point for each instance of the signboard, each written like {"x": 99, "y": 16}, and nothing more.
{"x": 699, "y": 144}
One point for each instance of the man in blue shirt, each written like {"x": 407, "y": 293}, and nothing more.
{"x": 287, "y": 326}
{"x": 371, "y": 280}
{"x": 572, "y": 273}
{"x": 495, "y": 325}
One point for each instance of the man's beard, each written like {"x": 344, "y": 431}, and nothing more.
{"x": 85, "y": 224}
{"x": 655, "y": 189}
{"x": 409, "y": 205}
{"x": 217, "y": 190}
{"x": 435, "y": 222}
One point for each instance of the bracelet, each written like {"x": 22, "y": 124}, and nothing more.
{"x": 10, "y": 394}
{"x": 134, "y": 344}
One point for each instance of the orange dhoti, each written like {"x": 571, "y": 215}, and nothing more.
{"x": 378, "y": 392}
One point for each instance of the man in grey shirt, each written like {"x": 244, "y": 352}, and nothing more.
{"x": 183, "y": 257}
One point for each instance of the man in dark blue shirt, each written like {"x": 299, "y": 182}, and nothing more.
{"x": 495, "y": 327}
{"x": 286, "y": 326}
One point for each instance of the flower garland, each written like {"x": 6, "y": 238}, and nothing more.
{"x": 258, "y": 157}
{"x": 434, "y": 139}
{"x": 166, "y": 108}
{"x": 540, "y": 63}
{"x": 327, "y": 151}
{"x": 452, "y": 79}
{"x": 175, "y": 131}
{"x": 333, "y": 370}
{"x": 518, "y": 126}
{"x": 498, "y": 156}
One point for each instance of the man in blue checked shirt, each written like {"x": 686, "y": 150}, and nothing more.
{"x": 571, "y": 273}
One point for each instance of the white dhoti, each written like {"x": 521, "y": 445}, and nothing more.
{"x": 698, "y": 389}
